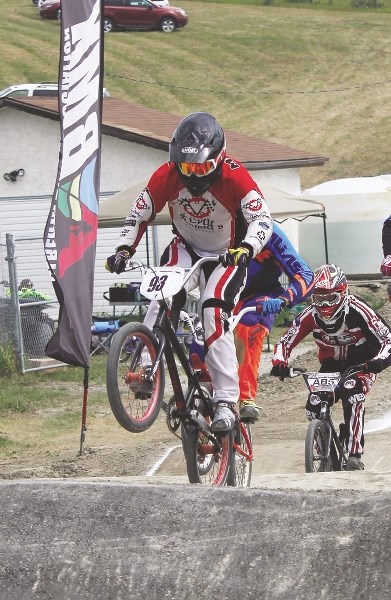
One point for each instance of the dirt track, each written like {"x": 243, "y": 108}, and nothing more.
{"x": 110, "y": 451}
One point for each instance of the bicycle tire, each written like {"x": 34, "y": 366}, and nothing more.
{"x": 315, "y": 448}
{"x": 204, "y": 465}
{"x": 134, "y": 407}
{"x": 241, "y": 471}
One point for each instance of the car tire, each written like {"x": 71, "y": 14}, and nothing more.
{"x": 168, "y": 25}
{"x": 58, "y": 15}
{"x": 108, "y": 25}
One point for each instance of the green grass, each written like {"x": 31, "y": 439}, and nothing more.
{"x": 315, "y": 76}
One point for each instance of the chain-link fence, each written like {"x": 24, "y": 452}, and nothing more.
{"x": 28, "y": 310}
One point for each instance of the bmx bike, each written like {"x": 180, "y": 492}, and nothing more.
{"x": 325, "y": 448}
{"x": 135, "y": 377}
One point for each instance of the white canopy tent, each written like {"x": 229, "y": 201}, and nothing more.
{"x": 356, "y": 208}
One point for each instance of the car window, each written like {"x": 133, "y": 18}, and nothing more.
{"x": 115, "y": 2}
{"x": 138, "y": 3}
{"x": 19, "y": 93}
{"x": 45, "y": 92}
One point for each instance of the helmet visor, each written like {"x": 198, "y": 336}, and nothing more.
{"x": 198, "y": 169}
{"x": 321, "y": 300}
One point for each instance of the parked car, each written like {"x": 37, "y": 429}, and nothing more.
{"x": 35, "y": 89}
{"x": 130, "y": 14}
{"x": 142, "y": 14}
{"x": 50, "y": 9}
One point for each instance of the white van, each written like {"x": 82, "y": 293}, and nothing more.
{"x": 34, "y": 89}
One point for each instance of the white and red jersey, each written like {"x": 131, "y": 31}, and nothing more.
{"x": 363, "y": 336}
{"x": 233, "y": 210}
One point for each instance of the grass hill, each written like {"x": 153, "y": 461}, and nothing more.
{"x": 313, "y": 76}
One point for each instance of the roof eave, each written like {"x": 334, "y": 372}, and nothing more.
{"x": 285, "y": 164}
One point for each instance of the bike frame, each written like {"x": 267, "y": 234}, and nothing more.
{"x": 333, "y": 441}
{"x": 169, "y": 346}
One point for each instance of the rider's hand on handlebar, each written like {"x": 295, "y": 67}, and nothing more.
{"x": 272, "y": 306}
{"x": 385, "y": 266}
{"x": 116, "y": 263}
{"x": 236, "y": 257}
{"x": 280, "y": 369}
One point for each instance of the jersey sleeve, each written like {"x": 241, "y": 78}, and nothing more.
{"x": 300, "y": 328}
{"x": 254, "y": 209}
{"x": 144, "y": 209}
{"x": 301, "y": 277}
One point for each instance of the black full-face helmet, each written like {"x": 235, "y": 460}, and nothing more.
{"x": 198, "y": 150}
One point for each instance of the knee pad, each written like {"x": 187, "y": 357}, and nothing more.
{"x": 223, "y": 306}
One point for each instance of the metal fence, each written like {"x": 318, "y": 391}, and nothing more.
{"x": 27, "y": 319}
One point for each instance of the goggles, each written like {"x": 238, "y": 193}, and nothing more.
{"x": 198, "y": 169}
{"x": 326, "y": 299}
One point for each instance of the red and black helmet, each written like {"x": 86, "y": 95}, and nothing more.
{"x": 198, "y": 150}
{"x": 330, "y": 294}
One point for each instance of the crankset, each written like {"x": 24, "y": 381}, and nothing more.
{"x": 173, "y": 422}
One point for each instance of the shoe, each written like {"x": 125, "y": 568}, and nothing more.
{"x": 224, "y": 419}
{"x": 354, "y": 464}
{"x": 249, "y": 410}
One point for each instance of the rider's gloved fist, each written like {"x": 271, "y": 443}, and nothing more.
{"x": 237, "y": 257}
{"x": 116, "y": 263}
{"x": 375, "y": 365}
{"x": 385, "y": 266}
{"x": 279, "y": 369}
{"x": 272, "y": 306}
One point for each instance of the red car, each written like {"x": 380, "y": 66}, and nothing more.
{"x": 129, "y": 14}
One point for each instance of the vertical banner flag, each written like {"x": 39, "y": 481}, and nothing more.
{"x": 71, "y": 228}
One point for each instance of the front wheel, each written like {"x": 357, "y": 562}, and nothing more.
{"x": 134, "y": 398}
{"x": 206, "y": 463}
{"x": 316, "y": 459}
{"x": 167, "y": 25}
{"x": 108, "y": 25}
{"x": 242, "y": 462}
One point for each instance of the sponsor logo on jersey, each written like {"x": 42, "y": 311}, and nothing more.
{"x": 254, "y": 205}
{"x": 198, "y": 208}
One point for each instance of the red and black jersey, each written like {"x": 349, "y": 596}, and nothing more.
{"x": 230, "y": 212}
{"x": 363, "y": 336}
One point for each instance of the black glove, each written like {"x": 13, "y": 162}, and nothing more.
{"x": 235, "y": 257}
{"x": 116, "y": 263}
{"x": 375, "y": 365}
{"x": 280, "y": 370}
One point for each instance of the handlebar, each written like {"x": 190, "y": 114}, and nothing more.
{"x": 296, "y": 371}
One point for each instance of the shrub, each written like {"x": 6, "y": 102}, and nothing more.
{"x": 7, "y": 361}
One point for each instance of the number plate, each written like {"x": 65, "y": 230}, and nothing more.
{"x": 162, "y": 282}
{"x": 322, "y": 382}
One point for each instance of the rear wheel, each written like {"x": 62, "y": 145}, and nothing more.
{"x": 134, "y": 399}
{"x": 242, "y": 465}
{"x": 206, "y": 463}
{"x": 167, "y": 25}
{"x": 315, "y": 449}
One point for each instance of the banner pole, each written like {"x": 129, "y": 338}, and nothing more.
{"x": 84, "y": 411}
